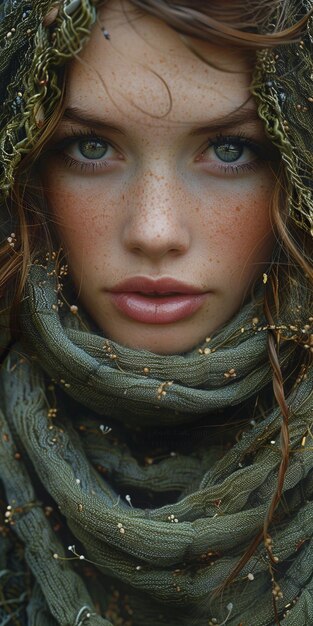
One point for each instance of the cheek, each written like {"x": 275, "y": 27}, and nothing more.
{"x": 241, "y": 225}
{"x": 81, "y": 219}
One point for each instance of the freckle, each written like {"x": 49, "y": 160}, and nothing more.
{"x": 238, "y": 209}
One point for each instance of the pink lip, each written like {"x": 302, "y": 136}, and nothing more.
{"x": 160, "y": 301}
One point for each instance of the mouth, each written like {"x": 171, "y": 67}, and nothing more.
{"x": 162, "y": 301}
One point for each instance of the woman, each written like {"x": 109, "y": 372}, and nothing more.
{"x": 156, "y": 395}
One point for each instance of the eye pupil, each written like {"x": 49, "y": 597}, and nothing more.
{"x": 92, "y": 148}
{"x": 228, "y": 152}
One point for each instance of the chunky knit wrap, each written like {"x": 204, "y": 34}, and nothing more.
{"x": 131, "y": 484}
{"x": 166, "y": 560}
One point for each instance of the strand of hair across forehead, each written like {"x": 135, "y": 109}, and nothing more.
{"x": 199, "y": 23}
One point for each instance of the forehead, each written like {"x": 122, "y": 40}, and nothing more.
{"x": 147, "y": 70}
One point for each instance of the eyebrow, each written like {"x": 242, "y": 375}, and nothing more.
{"x": 85, "y": 119}
{"x": 242, "y": 115}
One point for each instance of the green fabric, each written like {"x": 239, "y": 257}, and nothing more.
{"x": 286, "y": 107}
{"x": 104, "y": 448}
{"x": 222, "y": 496}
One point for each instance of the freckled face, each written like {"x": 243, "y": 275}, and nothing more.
{"x": 165, "y": 223}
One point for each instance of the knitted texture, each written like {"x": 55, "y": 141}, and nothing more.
{"x": 172, "y": 557}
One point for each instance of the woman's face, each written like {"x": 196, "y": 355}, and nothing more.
{"x": 159, "y": 183}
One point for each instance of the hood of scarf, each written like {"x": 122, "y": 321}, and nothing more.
{"x": 59, "y": 468}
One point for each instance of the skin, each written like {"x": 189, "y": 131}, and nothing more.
{"x": 160, "y": 203}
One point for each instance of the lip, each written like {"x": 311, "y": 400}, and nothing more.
{"x": 156, "y": 301}
{"x": 159, "y": 286}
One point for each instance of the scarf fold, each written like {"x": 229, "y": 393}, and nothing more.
{"x": 216, "y": 375}
{"x": 142, "y": 566}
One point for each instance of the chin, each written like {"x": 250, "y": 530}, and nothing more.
{"x": 164, "y": 346}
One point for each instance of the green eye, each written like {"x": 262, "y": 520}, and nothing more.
{"x": 228, "y": 152}
{"x": 93, "y": 148}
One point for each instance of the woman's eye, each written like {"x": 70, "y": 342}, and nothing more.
{"x": 87, "y": 153}
{"x": 229, "y": 155}
{"x": 93, "y": 148}
{"x": 229, "y": 152}
{"x": 89, "y": 149}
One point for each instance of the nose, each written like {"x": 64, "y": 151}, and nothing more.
{"x": 156, "y": 223}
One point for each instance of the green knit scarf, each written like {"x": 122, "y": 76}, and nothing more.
{"x": 159, "y": 564}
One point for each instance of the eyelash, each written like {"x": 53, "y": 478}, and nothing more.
{"x": 240, "y": 139}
